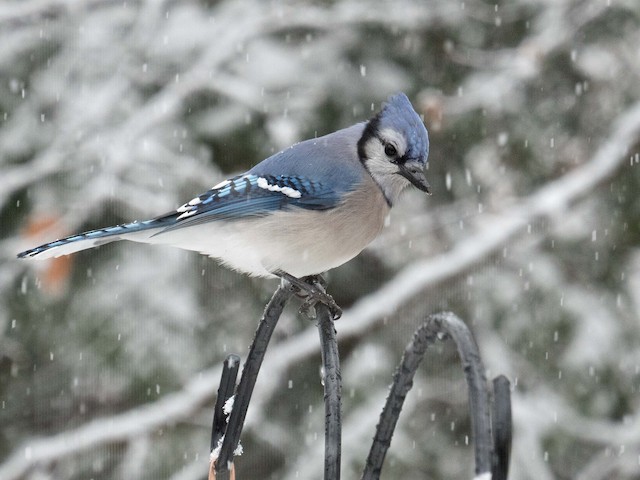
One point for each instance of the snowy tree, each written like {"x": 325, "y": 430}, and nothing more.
{"x": 114, "y": 111}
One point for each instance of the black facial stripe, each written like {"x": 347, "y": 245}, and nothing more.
{"x": 370, "y": 131}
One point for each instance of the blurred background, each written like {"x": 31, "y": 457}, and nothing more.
{"x": 112, "y": 111}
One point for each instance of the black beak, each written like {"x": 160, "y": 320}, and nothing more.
{"x": 415, "y": 175}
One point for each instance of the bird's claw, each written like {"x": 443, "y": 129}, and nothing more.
{"x": 308, "y": 307}
{"x": 312, "y": 290}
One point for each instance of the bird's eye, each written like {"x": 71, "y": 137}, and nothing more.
{"x": 390, "y": 150}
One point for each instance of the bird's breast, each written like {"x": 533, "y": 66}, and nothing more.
{"x": 303, "y": 242}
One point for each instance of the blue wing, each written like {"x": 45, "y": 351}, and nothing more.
{"x": 285, "y": 180}
{"x": 252, "y": 195}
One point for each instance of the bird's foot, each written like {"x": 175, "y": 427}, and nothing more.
{"x": 317, "y": 294}
{"x": 312, "y": 290}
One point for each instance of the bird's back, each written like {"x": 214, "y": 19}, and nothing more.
{"x": 321, "y": 158}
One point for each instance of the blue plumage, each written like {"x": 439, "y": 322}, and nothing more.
{"x": 304, "y": 210}
{"x": 246, "y": 195}
{"x": 107, "y": 235}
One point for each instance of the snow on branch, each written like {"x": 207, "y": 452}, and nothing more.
{"x": 118, "y": 428}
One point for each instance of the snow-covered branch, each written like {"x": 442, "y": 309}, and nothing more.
{"x": 114, "y": 111}
{"x": 124, "y": 427}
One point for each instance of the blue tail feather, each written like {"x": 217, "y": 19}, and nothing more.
{"x": 94, "y": 238}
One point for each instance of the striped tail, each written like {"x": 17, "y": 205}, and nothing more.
{"x": 101, "y": 236}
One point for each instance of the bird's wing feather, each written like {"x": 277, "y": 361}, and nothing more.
{"x": 251, "y": 195}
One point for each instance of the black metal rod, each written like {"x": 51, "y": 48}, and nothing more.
{"x": 502, "y": 427}
{"x": 250, "y": 371}
{"x": 332, "y": 393}
{"x": 479, "y": 404}
{"x": 402, "y": 383}
{"x": 227, "y": 385}
{"x": 425, "y": 335}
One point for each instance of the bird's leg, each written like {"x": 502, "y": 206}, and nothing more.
{"x": 313, "y": 290}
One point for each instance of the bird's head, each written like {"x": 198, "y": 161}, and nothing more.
{"x": 394, "y": 147}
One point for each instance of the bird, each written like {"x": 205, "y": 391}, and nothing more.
{"x": 297, "y": 214}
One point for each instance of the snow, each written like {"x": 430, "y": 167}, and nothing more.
{"x": 116, "y": 111}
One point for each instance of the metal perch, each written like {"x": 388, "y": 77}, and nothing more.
{"x": 440, "y": 326}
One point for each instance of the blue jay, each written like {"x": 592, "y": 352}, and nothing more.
{"x": 300, "y": 212}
